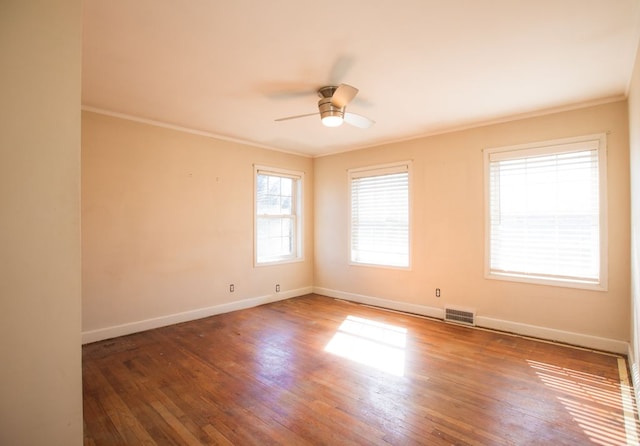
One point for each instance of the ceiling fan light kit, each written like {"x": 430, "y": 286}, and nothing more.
{"x": 332, "y": 121}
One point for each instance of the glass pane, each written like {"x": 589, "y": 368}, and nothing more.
{"x": 275, "y": 228}
{"x": 261, "y": 183}
{"x": 274, "y": 185}
{"x": 286, "y": 187}
{"x": 262, "y": 228}
{"x": 285, "y": 205}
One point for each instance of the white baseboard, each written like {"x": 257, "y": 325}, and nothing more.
{"x": 554, "y": 335}
{"x": 185, "y": 316}
{"x": 384, "y": 303}
{"x": 549, "y": 334}
{"x": 635, "y": 372}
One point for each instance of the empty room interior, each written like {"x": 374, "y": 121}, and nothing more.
{"x": 409, "y": 222}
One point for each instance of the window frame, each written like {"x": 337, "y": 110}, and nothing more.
{"x": 555, "y": 146}
{"x": 296, "y": 215}
{"x": 374, "y": 170}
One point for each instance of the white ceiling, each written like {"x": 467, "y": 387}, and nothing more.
{"x": 229, "y": 68}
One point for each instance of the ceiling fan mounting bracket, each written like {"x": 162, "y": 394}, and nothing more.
{"x": 327, "y": 92}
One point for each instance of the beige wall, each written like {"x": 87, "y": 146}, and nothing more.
{"x": 448, "y": 231}
{"x": 167, "y": 225}
{"x": 634, "y": 132}
{"x": 40, "y": 371}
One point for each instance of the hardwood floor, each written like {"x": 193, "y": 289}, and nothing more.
{"x": 281, "y": 374}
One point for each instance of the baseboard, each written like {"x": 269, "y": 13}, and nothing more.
{"x": 635, "y": 372}
{"x": 384, "y": 303}
{"x": 185, "y": 316}
{"x": 549, "y": 334}
{"x": 554, "y": 335}
{"x": 578, "y": 339}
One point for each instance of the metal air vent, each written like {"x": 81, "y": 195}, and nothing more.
{"x": 459, "y": 316}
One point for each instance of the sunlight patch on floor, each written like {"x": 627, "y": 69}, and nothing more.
{"x": 371, "y": 343}
{"x": 602, "y": 407}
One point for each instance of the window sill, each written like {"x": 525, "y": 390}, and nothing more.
{"x": 278, "y": 262}
{"x": 565, "y": 283}
{"x": 377, "y": 265}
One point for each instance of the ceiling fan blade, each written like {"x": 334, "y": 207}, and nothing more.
{"x": 292, "y": 94}
{"x": 296, "y": 117}
{"x": 340, "y": 68}
{"x": 286, "y": 89}
{"x": 343, "y": 95}
{"x": 358, "y": 120}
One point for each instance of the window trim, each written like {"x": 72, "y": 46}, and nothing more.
{"x": 542, "y": 147}
{"x": 298, "y": 215}
{"x": 387, "y": 168}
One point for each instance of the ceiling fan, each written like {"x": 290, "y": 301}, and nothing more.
{"x": 332, "y": 107}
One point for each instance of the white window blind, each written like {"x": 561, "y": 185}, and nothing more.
{"x": 277, "y": 216}
{"x": 380, "y": 215}
{"x": 545, "y": 212}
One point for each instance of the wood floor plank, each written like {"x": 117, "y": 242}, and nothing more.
{"x": 266, "y": 375}
{"x": 119, "y": 415}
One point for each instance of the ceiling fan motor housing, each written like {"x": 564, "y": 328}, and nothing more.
{"x": 328, "y": 109}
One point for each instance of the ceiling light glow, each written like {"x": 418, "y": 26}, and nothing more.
{"x": 332, "y": 121}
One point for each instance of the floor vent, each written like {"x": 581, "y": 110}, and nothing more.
{"x": 459, "y": 316}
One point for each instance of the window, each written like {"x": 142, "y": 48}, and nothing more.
{"x": 380, "y": 215}
{"x": 278, "y": 224}
{"x": 546, "y": 212}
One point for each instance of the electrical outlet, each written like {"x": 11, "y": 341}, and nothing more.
{"x": 437, "y": 292}
{"x": 232, "y": 288}
{"x": 277, "y": 288}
